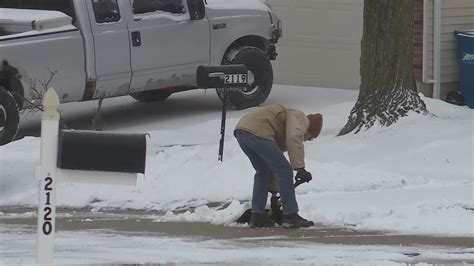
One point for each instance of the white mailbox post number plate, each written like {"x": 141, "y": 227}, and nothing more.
{"x": 47, "y": 227}
{"x": 235, "y": 79}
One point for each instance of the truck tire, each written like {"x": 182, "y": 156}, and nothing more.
{"x": 260, "y": 67}
{"x": 151, "y": 96}
{"x": 9, "y": 116}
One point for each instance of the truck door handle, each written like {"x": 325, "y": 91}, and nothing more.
{"x": 136, "y": 39}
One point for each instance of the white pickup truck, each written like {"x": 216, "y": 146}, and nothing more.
{"x": 149, "y": 49}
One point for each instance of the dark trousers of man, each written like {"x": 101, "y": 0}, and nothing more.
{"x": 267, "y": 158}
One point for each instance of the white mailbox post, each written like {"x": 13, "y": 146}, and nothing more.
{"x": 79, "y": 156}
{"x": 47, "y": 174}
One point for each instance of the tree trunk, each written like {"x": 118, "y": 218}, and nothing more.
{"x": 387, "y": 90}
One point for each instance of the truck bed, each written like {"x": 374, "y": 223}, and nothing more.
{"x": 14, "y": 21}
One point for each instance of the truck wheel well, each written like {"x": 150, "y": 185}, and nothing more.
{"x": 10, "y": 80}
{"x": 252, "y": 40}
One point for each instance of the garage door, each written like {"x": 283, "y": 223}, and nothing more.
{"x": 321, "y": 43}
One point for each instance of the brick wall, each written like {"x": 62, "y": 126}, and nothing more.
{"x": 418, "y": 50}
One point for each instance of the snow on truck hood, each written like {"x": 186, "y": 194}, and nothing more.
{"x": 21, "y": 20}
{"x": 239, "y": 4}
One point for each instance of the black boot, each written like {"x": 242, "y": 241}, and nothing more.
{"x": 261, "y": 220}
{"x": 293, "y": 220}
{"x": 276, "y": 213}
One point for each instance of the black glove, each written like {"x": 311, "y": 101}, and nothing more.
{"x": 302, "y": 176}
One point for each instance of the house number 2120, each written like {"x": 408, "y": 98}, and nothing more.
{"x": 48, "y": 189}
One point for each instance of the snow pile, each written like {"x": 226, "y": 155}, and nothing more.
{"x": 413, "y": 177}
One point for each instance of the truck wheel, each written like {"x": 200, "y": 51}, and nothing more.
{"x": 9, "y": 117}
{"x": 151, "y": 96}
{"x": 260, "y": 75}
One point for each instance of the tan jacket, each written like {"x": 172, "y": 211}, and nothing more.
{"x": 281, "y": 124}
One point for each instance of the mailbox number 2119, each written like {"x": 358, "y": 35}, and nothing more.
{"x": 235, "y": 79}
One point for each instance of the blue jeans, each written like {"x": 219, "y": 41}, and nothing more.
{"x": 267, "y": 158}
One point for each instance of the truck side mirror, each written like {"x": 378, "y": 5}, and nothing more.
{"x": 197, "y": 9}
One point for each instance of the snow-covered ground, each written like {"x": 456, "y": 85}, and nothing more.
{"x": 104, "y": 247}
{"x": 415, "y": 177}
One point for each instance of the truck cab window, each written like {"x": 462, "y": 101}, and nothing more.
{"x": 148, "y": 6}
{"x": 106, "y": 11}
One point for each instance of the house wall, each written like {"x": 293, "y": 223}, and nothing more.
{"x": 418, "y": 46}
{"x": 457, "y": 15}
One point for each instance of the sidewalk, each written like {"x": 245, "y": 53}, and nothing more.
{"x": 133, "y": 237}
{"x": 142, "y": 222}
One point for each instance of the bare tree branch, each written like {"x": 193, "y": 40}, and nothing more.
{"x": 34, "y": 102}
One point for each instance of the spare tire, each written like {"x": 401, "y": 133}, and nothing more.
{"x": 261, "y": 72}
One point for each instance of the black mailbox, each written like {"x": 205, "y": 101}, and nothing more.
{"x": 100, "y": 151}
{"x": 226, "y": 76}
